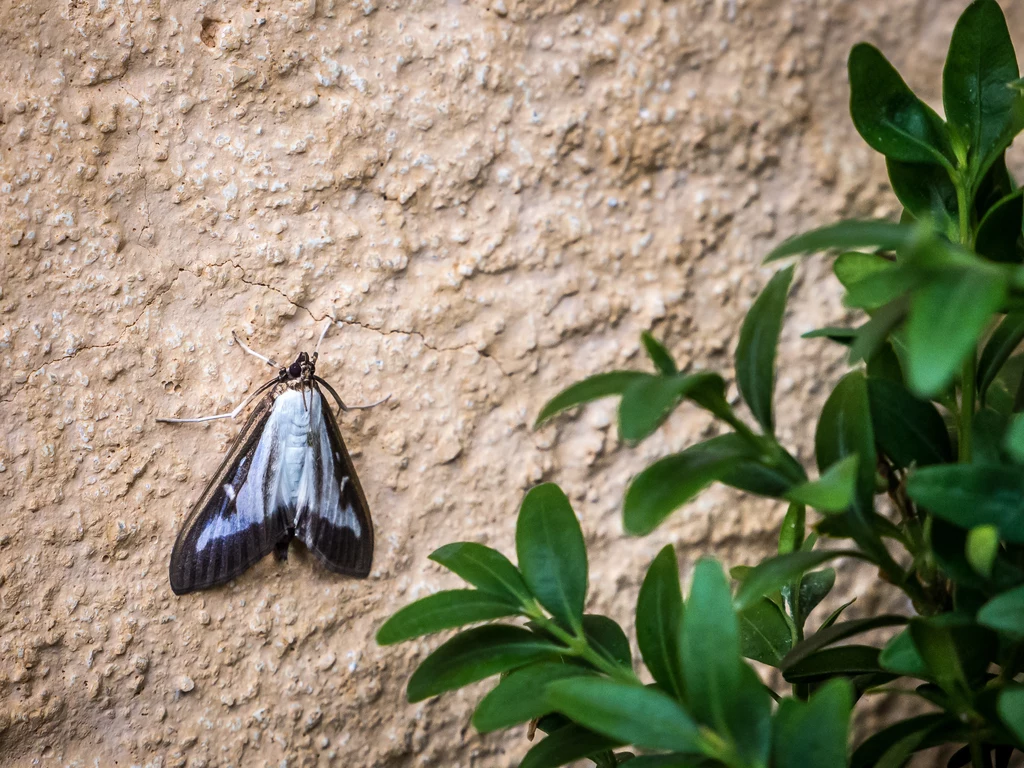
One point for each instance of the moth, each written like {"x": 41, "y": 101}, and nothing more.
{"x": 287, "y": 476}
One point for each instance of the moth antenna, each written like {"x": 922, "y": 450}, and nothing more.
{"x": 365, "y": 407}
{"x": 233, "y": 414}
{"x": 327, "y": 327}
{"x": 268, "y": 360}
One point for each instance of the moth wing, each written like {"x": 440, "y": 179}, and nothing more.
{"x": 235, "y": 522}
{"x": 332, "y": 516}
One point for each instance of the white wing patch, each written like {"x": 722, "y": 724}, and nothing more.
{"x": 258, "y": 496}
{"x": 320, "y": 490}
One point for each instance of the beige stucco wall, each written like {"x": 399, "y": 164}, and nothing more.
{"x": 494, "y": 198}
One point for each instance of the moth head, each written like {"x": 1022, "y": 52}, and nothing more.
{"x": 302, "y": 367}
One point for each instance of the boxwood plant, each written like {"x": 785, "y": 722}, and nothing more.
{"x": 920, "y": 473}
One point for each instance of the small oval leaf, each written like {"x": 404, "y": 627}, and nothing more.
{"x": 659, "y": 609}
{"x": 477, "y": 654}
{"x": 887, "y": 114}
{"x": 593, "y": 388}
{"x": 756, "y": 350}
{"x": 486, "y": 569}
{"x": 521, "y": 696}
{"x": 551, "y": 552}
{"x": 631, "y": 714}
{"x": 671, "y": 482}
{"x": 443, "y": 610}
{"x": 659, "y": 355}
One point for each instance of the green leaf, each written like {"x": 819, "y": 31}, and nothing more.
{"x": 754, "y": 476}
{"x": 1011, "y": 710}
{"x": 749, "y": 719}
{"x": 841, "y": 661}
{"x": 884, "y": 363}
{"x": 659, "y": 611}
{"x": 566, "y": 745}
{"x": 947, "y": 316}
{"x": 852, "y": 267}
{"x": 872, "y": 336}
{"x": 989, "y": 429}
{"x": 671, "y": 482}
{"x": 1001, "y": 344}
{"x": 834, "y": 634}
{"x": 814, "y": 733}
{"x": 765, "y": 635}
{"x": 755, "y": 353}
{"x": 773, "y": 573}
{"x": 887, "y": 114}
{"x": 710, "y": 647}
{"x": 845, "y": 429}
{"x": 477, "y": 654}
{"x": 444, "y": 610}
{"x": 793, "y": 529}
{"x": 631, "y": 714}
{"x": 593, "y": 388}
{"x": 902, "y": 736}
{"x": 882, "y": 288}
{"x": 982, "y": 549}
{"x": 551, "y": 552}
{"x": 980, "y": 65}
{"x": 833, "y": 491}
{"x": 847, "y": 235}
{"x": 926, "y": 191}
{"x": 844, "y": 336}
{"x": 647, "y": 402}
{"x": 900, "y": 656}
{"x": 1005, "y": 613}
{"x": 605, "y": 635}
{"x": 723, "y": 692}
{"x": 908, "y": 429}
{"x": 521, "y": 696}
{"x": 838, "y": 527}
{"x": 949, "y": 546}
{"x": 486, "y": 569}
{"x": 814, "y": 587}
{"x": 937, "y": 646}
{"x": 999, "y": 232}
{"x": 1014, "y": 440}
{"x": 660, "y": 356}
{"x": 833, "y": 617}
{"x": 1002, "y": 395}
{"x": 970, "y": 495}
{"x": 667, "y": 761}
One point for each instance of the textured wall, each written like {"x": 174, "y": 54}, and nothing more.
{"x": 494, "y": 198}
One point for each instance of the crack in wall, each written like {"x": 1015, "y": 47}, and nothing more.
{"x": 256, "y": 284}
{"x": 364, "y": 326}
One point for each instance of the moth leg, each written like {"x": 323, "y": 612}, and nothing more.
{"x": 233, "y": 414}
{"x": 341, "y": 405}
{"x": 268, "y": 360}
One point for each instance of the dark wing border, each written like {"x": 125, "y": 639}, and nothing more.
{"x": 336, "y": 551}
{"x": 185, "y": 567}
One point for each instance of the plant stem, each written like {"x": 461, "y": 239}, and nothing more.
{"x": 978, "y": 757}
{"x": 967, "y": 392}
{"x": 970, "y": 368}
{"x": 578, "y": 645}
